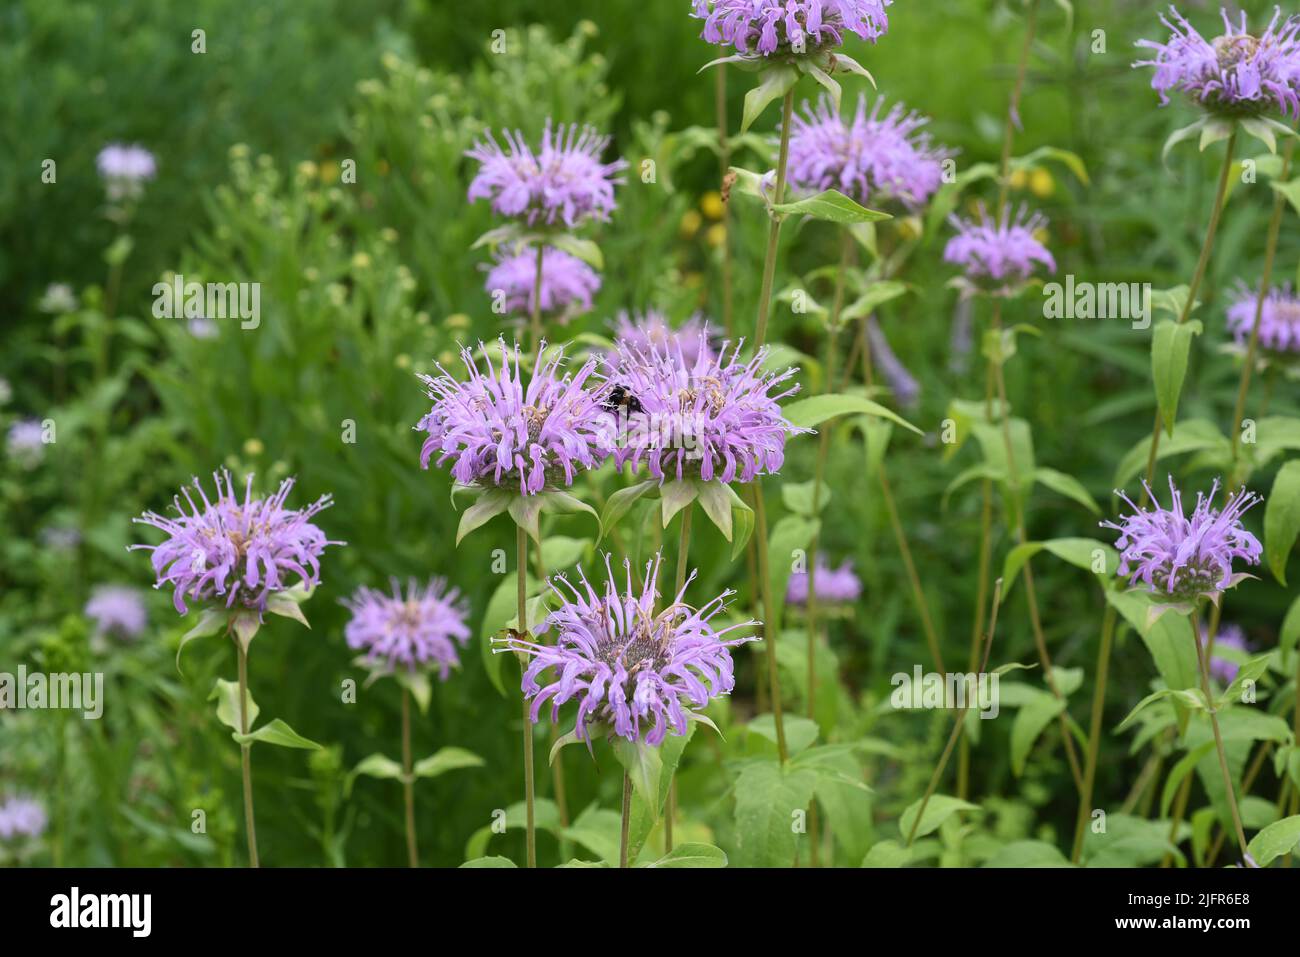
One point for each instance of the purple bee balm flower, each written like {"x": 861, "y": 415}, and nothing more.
{"x": 1279, "y": 324}
{"x": 999, "y": 255}
{"x": 770, "y": 26}
{"x": 21, "y": 817}
{"x": 127, "y": 162}
{"x": 203, "y": 328}
{"x": 715, "y": 418}
{"x": 835, "y": 586}
{"x": 497, "y": 431}
{"x": 871, "y": 159}
{"x": 638, "y": 672}
{"x": 240, "y": 551}
{"x": 901, "y": 382}
{"x": 117, "y": 610}
{"x": 420, "y": 629}
{"x": 568, "y": 283}
{"x": 650, "y": 330}
{"x": 1186, "y": 558}
{"x": 565, "y": 181}
{"x": 1222, "y": 668}
{"x": 25, "y": 442}
{"x": 125, "y": 170}
{"x": 1236, "y": 74}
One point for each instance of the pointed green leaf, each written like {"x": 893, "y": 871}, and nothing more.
{"x": 226, "y": 695}
{"x": 831, "y": 206}
{"x": 813, "y": 411}
{"x": 444, "y": 760}
{"x": 1170, "y": 345}
{"x": 278, "y": 733}
{"x": 774, "y": 83}
{"x": 1282, "y": 518}
{"x": 490, "y": 504}
{"x": 692, "y": 855}
{"x": 938, "y": 809}
{"x": 618, "y": 504}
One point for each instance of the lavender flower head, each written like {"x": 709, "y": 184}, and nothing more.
{"x": 715, "y": 418}
{"x": 649, "y": 330}
{"x": 1237, "y": 74}
{"x": 420, "y": 629}
{"x": 1222, "y": 668}
{"x": 497, "y": 431}
{"x": 1186, "y": 558}
{"x": 25, "y": 442}
{"x": 766, "y": 27}
{"x": 870, "y": 159}
{"x": 639, "y": 672}
{"x": 1279, "y": 323}
{"x": 117, "y": 610}
{"x": 125, "y": 168}
{"x": 21, "y": 817}
{"x": 242, "y": 552}
{"x": 999, "y": 255}
{"x": 568, "y": 283}
{"x": 835, "y": 586}
{"x": 565, "y": 181}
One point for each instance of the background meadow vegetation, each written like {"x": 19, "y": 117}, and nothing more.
{"x": 363, "y": 286}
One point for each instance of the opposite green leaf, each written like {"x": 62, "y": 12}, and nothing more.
{"x": 1282, "y": 518}
{"x": 1170, "y": 345}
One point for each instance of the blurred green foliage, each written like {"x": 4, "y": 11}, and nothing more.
{"x": 365, "y": 284}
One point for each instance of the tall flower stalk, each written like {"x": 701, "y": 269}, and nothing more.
{"x": 408, "y": 635}
{"x": 518, "y": 446}
{"x": 1109, "y": 620}
{"x": 1194, "y": 287}
{"x": 238, "y": 560}
{"x": 999, "y": 254}
{"x": 547, "y": 193}
{"x": 1185, "y": 561}
{"x": 638, "y": 674}
{"x": 1237, "y": 79}
{"x": 986, "y": 485}
{"x": 521, "y": 606}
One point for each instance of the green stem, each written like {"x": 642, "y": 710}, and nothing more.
{"x": 771, "y": 627}
{"x": 1248, "y": 367}
{"x": 1202, "y": 658}
{"x": 1247, "y": 782}
{"x": 521, "y": 541}
{"x": 535, "y": 320}
{"x": 724, "y": 161}
{"x": 408, "y": 781}
{"x": 246, "y": 754}
{"x": 1180, "y": 812}
{"x": 1094, "y": 728}
{"x": 774, "y": 231}
{"x": 1197, "y": 278}
{"x": 1018, "y": 522}
{"x": 557, "y": 762}
{"x": 819, "y": 475}
{"x": 986, "y": 486}
{"x": 683, "y": 558}
{"x": 627, "y": 820}
{"x": 937, "y": 775}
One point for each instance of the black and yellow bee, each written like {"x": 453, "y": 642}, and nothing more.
{"x": 621, "y": 398}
